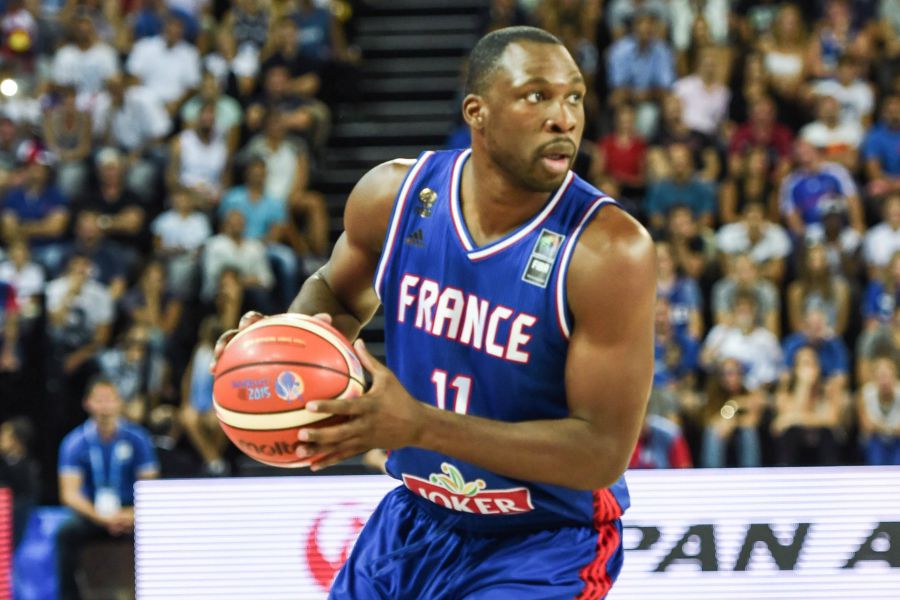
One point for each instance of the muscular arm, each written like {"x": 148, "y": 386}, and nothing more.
{"x": 343, "y": 287}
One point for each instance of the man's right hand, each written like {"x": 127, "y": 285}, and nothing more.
{"x": 246, "y": 321}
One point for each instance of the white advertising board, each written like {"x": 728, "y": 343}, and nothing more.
{"x": 735, "y": 534}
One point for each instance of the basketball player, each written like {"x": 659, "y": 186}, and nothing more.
{"x": 518, "y": 305}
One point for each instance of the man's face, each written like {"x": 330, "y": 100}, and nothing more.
{"x": 892, "y": 210}
{"x": 174, "y": 30}
{"x": 892, "y": 112}
{"x": 643, "y": 29}
{"x": 103, "y": 402}
{"x": 256, "y": 173}
{"x": 680, "y": 159}
{"x": 37, "y": 174}
{"x": 533, "y": 114}
{"x": 829, "y": 110}
{"x": 276, "y": 81}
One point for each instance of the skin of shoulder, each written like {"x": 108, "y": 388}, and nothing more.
{"x": 368, "y": 211}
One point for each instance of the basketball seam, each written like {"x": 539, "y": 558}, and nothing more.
{"x": 290, "y": 363}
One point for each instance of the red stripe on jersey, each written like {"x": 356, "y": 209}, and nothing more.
{"x": 597, "y": 581}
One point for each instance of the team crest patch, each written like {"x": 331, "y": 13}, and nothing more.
{"x": 427, "y": 198}
{"x": 450, "y": 490}
{"x": 543, "y": 256}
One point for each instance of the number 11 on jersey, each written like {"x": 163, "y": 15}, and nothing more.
{"x": 461, "y": 383}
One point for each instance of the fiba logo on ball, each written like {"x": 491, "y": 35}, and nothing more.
{"x": 289, "y": 386}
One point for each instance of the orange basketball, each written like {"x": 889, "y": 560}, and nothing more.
{"x": 266, "y": 375}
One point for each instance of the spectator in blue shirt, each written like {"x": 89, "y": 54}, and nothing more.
{"x": 683, "y": 188}
{"x": 265, "y": 220}
{"x": 675, "y": 353}
{"x": 99, "y": 463}
{"x": 881, "y": 150}
{"x": 38, "y": 212}
{"x": 882, "y": 295}
{"x": 813, "y": 182}
{"x": 681, "y": 294}
{"x": 834, "y": 360}
{"x": 640, "y": 70}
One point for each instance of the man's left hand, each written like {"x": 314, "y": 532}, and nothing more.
{"x": 386, "y": 416}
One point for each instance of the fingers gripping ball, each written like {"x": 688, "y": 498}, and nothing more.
{"x": 266, "y": 375}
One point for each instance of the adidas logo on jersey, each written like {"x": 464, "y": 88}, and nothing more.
{"x": 415, "y": 239}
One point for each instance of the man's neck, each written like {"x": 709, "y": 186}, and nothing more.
{"x": 106, "y": 428}
{"x": 496, "y": 205}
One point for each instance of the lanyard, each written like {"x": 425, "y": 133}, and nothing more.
{"x": 97, "y": 462}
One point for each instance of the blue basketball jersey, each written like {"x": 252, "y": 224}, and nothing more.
{"x": 483, "y": 331}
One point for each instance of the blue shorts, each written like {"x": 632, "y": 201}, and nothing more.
{"x": 406, "y": 553}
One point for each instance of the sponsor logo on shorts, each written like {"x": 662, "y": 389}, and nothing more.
{"x": 289, "y": 386}
{"x": 450, "y": 490}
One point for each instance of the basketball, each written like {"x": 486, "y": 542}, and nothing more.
{"x": 267, "y": 374}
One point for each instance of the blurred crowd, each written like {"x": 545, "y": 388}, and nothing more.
{"x": 760, "y": 143}
{"x": 155, "y": 169}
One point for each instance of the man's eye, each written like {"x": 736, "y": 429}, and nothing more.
{"x": 534, "y": 97}
{"x": 575, "y": 98}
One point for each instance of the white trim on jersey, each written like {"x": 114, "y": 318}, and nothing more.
{"x": 462, "y": 232}
{"x": 396, "y": 218}
{"x": 561, "y": 302}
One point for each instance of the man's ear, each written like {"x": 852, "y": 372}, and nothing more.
{"x": 474, "y": 111}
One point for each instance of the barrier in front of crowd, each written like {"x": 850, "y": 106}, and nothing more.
{"x": 824, "y": 533}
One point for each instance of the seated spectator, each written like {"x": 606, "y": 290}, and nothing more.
{"x": 704, "y": 99}
{"x": 127, "y": 366}
{"x": 85, "y": 63}
{"x": 231, "y": 247}
{"x": 762, "y": 130}
{"x": 832, "y": 354}
{"x": 234, "y": 66}
{"x": 683, "y": 188}
{"x": 11, "y": 138}
{"x": 882, "y": 241}
{"x": 660, "y": 445}
{"x": 99, "y": 463}
{"x": 178, "y": 238}
{"x": 158, "y": 311}
{"x": 640, "y": 71}
{"x": 836, "y": 36}
{"x": 834, "y": 233}
{"x": 37, "y": 212}
{"x": 132, "y": 119}
{"x": 731, "y": 417}
{"x": 27, "y": 279}
{"x": 743, "y": 275}
{"x": 287, "y": 160}
{"x": 685, "y": 16}
{"x": 122, "y": 214}
{"x": 199, "y": 157}
{"x": 884, "y": 339}
{"x": 881, "y": 296}
{"x": 621, "y": 156}
{"x": 854, "y": 95}
{"x": 766, "y": 243}
{"x": 67, "y": 132}
{"x": 228, "y": 110}
{"x": 621, "y": 15}
{"x": 817, "y": 286}
{"x": 167, "y": 65}
{"x": 108, "y": 264}
{"x": 197, "y": 414}
{"x": 248, "y": 22}
{"x": 672, "y": 131}
{"x": 748, "y": 182}
{"x": 693, "y": 246}
{"x": 680, "y": 293}
{"x": 80, "y": 313}
{"x": 807, "y": 415}
{"x": 836, "y": 140}
{"x": 811, "y": 182}
{"x": 878, "y": 408}
{"x": 19, "y": 471}
{"x": 746, "y": 341}
{"x": 265, "y": 219}
{"x": 783, "y": 49}
{"x": 230, "y": 302}
{"x": 879, "y": 151}
{"x": 675, "y": 363}
{"x": 283, "y": 50}
{"x": 304, "y": 118}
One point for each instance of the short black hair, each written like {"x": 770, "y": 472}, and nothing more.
{"x": 487, "y": 52}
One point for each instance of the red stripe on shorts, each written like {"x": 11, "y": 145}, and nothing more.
{"x": 597, "y": 581}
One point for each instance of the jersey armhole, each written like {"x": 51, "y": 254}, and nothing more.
{"x": 563, "y": 314}
{"x": 390, "y": 239}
